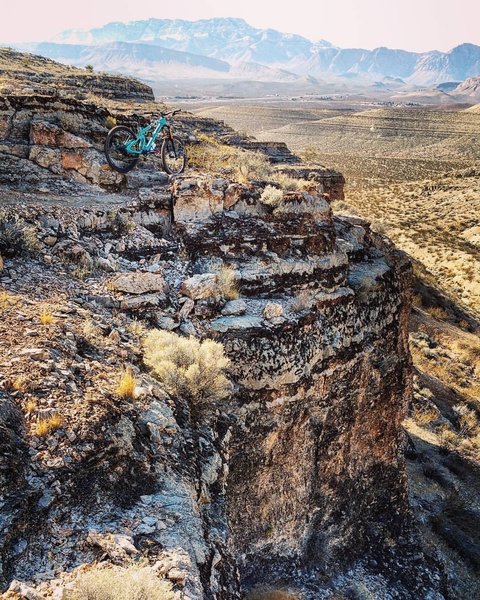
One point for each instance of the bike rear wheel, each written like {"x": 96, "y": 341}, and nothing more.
{"x": 173, "y": 155}
{"x": 115, "y": 149}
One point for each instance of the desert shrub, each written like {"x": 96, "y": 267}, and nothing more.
{"x": 288, "y": 183}
{"x": 252, "y": 165}
{"x": 134, "y": 583}
{"x": 16, "y": 237}
{"x": 272, "y": 196}
{"x": 68, "y": 122}
{"x": 227, "y": 282}
{"x": 89, "y": 68}
{"x": 187, "y": 366}
{"x": 126, "y": 385}
{"x": 212, "y": 155}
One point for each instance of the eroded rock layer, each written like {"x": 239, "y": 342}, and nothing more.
{"x": 316, "y": 471}
{"x": 298, "y": 478}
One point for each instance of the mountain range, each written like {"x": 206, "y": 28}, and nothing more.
{"x": 158, "y": 49}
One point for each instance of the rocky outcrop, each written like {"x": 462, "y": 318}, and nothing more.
{"x": 52, "y": 142}
{"x": 316, "y": 475}
{"x": 21, "y": 72}
{"x": 298, "y": 478}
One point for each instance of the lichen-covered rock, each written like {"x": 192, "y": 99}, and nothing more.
{"x": 138, "y": 283}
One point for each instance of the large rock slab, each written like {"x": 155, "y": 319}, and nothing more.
{"x": 138, "y": 283}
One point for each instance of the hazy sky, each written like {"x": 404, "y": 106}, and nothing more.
{"x": 411, "y": 24}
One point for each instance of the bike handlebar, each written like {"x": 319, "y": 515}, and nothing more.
{"x": 171, "y": 113}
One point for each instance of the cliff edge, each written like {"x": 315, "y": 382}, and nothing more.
{"x": 296, "y": 480}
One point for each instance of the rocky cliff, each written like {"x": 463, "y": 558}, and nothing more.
{"x": 29, "y": 73}
{"x": 297, "y": 479}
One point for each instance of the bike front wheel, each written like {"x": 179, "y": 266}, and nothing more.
{"x": 173, "y": 155}
{"x": 115, "y": 149}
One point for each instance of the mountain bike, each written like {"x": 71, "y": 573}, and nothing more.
{"x": 123, "y": 147}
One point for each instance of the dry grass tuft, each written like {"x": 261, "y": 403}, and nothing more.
{"x": 136, "y": 328}
{"x": 110, "y": 122}
{"x": 227, "y": 282}
{"x": 16, "y": 237}
{"x": 187, "y": 366}
{"x": 288, "y": 183}
{"x": 20, "y": 384}
{"x": 46, "y": 318}
{"x": 31, "y": 406}
{"x": 47, "y": 426}
{"x": 90, "y": 330}
{"x": 437, "y": 313}
{"x": 126, "y": 385}
{"x": 117, "y": 583}
{"x": 425, "y": 416}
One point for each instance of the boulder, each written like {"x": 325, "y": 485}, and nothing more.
{"x": 200, "y": 286}
{"x": 139, "y": 283}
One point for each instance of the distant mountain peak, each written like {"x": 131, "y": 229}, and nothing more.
{"x": 234, "y": 41}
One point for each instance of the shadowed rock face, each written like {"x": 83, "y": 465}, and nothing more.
{"x": 316, "y": 475}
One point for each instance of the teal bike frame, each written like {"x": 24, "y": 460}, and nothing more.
{"x": 143, "y": 143}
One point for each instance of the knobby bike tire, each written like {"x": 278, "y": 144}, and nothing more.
{"x": 131, "y": 162}
{"x": 176, "y": 146}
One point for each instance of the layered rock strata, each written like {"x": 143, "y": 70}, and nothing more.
{"x": 298, "y": 479}
{"x": 315, "y": 471}
{"x": 21, "y": 72}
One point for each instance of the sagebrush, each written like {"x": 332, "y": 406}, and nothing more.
{"x": 187, "y": 366}
{"x": 272, "y": 196}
